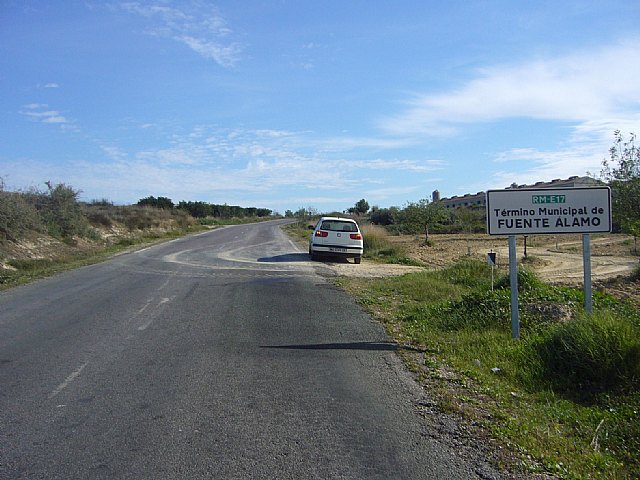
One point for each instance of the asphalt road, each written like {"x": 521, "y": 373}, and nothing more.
{"x": 225, "y": 355}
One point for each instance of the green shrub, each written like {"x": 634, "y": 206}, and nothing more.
{"x": 60, "y": 211}
{"x": 376, "y": 244}
{"x": 99, "y": 217}
{"x": 17, "y": 216}
{"x": 527, "y": 281}
{"x": 469, "y": 273}
{"x": 477, "y": 310}
{"x": 591, "y": 354}
{"x": 31, "y": 265}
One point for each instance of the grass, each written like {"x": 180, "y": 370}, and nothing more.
{"x": 25, "y": 271}
{"x": 565, "y": 398}
{"x": 299, "y": 230}
{"x": 378, "y": 247}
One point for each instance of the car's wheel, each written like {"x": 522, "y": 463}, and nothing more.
{"x": 357, "y": 260}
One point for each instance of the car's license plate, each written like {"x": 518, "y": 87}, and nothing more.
{"x": 338, "y": 250}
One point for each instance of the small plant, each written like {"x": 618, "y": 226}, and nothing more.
{"x": 17, "y": 216}
{"x": 591, "y": 354}
{"x": 31, "y": 265}
{"x": 378, "y": 246}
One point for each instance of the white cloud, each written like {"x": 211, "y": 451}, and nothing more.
{"x": 195, "y": 24}
{"x": 247, "y": 163}
{"x": 115, "y": 153}
{"x": 590, "y": 93}
{"x": 33, "y": 106}
{"x": 52, "y": 85}
{"x": 579, "y": 88}
{"x": 37, "y": 112}
{"x": 350, "y": 143}
{"x": 399, "y": 165}
{"x": 225, "y": 56}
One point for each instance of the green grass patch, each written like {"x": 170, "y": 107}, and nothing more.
{"x": 378, "y": 246}
{"x": 565, "y": 397}
{"x": 299, "y": 230}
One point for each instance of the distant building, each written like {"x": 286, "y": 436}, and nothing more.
{"x": 468, "y": 200}
{"x": 479, "y": 199}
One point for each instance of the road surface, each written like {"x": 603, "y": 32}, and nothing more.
{"x": 224, "y": 355}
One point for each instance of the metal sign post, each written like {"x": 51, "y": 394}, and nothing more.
{"x": 513, "y": 277}
{"x": 586, "y": 261}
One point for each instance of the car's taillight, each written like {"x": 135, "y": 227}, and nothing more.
{"x": 355, "y": 236}
{"x": 320, "y": 233}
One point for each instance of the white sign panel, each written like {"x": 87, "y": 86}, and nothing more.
{"x": 549, "y": 210}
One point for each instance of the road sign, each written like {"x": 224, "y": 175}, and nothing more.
{"x": 549, "y": 210}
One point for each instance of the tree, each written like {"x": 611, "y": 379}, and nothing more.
{"x": 422, "y": 215}
{"x": 196, "y": 209}
{"x": 384, "y": 216}
{"x": 622, "y": 172}
{"x": 470, "y": 219}
{"x": 160, "y": 202}
{"x": 361, "y": 207}
{"x": 307, "y": 213}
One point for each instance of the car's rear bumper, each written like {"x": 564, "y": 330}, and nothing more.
{"x": 338, "y": 250}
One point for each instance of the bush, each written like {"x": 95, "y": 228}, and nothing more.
{"x": 478, "y": 310}
{"x": 527, "y": 281}
{"x": 99, "y": 217}
{"x": 469, "y": 273}
{"x": 17, "y": 216}
{"x": 60, "y": 211}
{"x": 377, "y": 245}
{"x": 591, "y": 354}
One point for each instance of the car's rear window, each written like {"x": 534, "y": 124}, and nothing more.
{"x": 338, "y": 226}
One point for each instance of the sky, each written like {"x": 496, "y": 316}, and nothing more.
{"x": 285, "y": 104}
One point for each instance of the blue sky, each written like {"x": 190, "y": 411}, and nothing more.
{"x": 288, "y": 104}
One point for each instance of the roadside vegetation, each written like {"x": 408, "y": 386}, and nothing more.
{"x": 565, "y": 398}
{"x": 43, "y": 232}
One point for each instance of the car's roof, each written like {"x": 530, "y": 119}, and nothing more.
{"x": 342, "y": 219}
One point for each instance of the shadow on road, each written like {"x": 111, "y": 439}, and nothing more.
{"x": 287, "y": 257}
{"x": 300, "y": 257}
{"x": 374, "y": 346}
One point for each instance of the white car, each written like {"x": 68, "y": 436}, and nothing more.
{"x": 335, "y": 236}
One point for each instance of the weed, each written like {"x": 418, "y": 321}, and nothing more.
{"x": 594, "y": 353}
{"x": 377, "y": 246}
{"x": 32, "y": 264}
